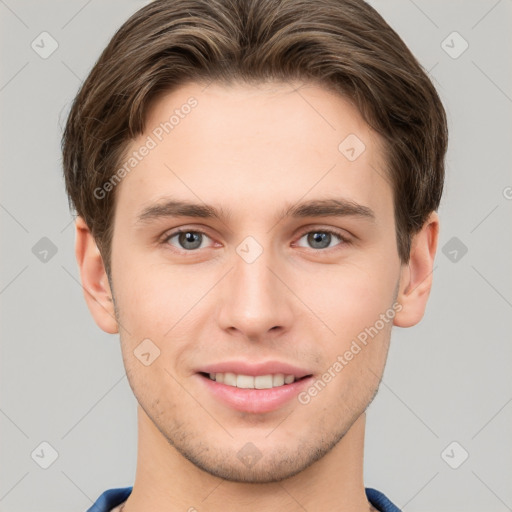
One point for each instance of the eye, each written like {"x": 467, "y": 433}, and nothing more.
{"x": 192, "y": 239}
{"x": 188, "y": 239}
{"x": 322, "y": 238}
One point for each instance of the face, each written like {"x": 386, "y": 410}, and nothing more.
{"x": 285, "y": 270}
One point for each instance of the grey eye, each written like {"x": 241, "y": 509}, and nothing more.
{"x": 188, "y": 240}
{"x": 320, "y": 239}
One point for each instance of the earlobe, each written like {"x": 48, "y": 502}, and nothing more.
{"x": 96, "y": 287}
{"x": 416, "y": 276}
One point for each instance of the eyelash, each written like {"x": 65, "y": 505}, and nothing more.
{"x": 343, "y": 239}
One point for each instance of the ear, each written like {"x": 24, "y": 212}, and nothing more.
{"x": 94, "y": 279}
{"x": 416, "y": 276}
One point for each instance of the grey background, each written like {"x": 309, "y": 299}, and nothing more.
{"x": 447, "y": 379}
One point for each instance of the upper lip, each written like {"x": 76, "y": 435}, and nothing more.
{"x": 255, "y": 369}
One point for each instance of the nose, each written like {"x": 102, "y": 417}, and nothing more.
{"x": 255, "y": 301}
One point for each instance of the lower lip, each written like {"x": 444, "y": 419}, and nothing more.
{"x": 255, "y": 400}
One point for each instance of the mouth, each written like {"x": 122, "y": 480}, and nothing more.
{"x": 258, "y": 393}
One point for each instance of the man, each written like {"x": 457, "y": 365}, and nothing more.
{"x": 256, "y": 183}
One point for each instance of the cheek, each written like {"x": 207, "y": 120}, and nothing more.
{"x": 150, "y": 297}
{"x": 349, "y": 297}
{"x": 156, "y": 308}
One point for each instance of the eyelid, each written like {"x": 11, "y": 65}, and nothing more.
{"x": 325, "y": 229}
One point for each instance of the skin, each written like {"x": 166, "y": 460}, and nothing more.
{"x": 254, "y": 150}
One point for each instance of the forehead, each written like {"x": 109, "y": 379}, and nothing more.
{"x": 255, "y": 145}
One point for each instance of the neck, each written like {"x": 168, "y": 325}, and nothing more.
{"x": 166, "y": 481}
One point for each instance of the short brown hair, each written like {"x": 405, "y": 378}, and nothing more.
{"x": 344, "y": 45}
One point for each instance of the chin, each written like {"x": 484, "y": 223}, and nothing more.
{"x": 249, "y": 464}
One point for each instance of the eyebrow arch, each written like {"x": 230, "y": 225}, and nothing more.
{"x": 329, "y": 208}
{"x": 314, "y": 208}
{"x": 175, "y": 208}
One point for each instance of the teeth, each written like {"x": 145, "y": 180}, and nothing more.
{"x": 289, "y": 379}
{"x": 229, "y": 378}
{"x": 251, "y": 382}
{"x": 278, "y": 379}
{"x": 245, "y": 381}
{"x": 263, "y": 382}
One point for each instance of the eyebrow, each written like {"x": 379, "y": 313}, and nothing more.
{"x": 314, "y": 208}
